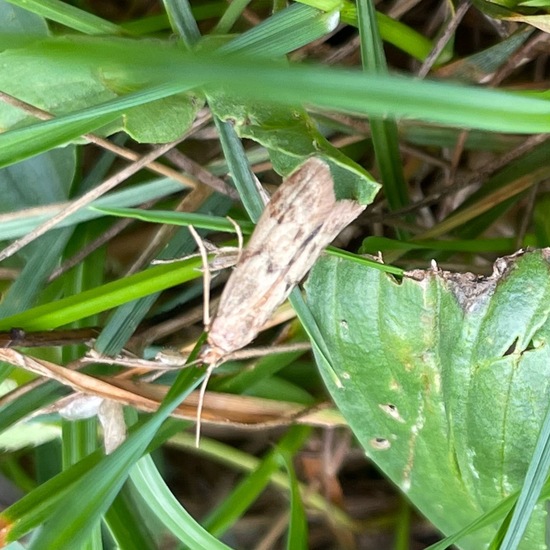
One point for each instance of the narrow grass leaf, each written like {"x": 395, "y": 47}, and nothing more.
{"x": 241, "y": 174}
{"x": 35, "y": 507}
{"x": 334, "y": 88}
{"x": 285, "y": 31}
{"x": 202, "y": 221}
{"x": 104, "y": 297}
{"x": 168, "y": 510}
{"x": 70, "y": 16}
{"x": 93, "y": 493}
{"x": 38, "y": 397}
{"x": 384, "y": 130}
{"x": 22, "y": 143}
{"x": 373, "y": 245}
{"x": 182, "y": 20}
{"x": 126, "y": 525}
{"x": 536, "y": 475}
{"x": 395, "y": 32}
{"x": 16, "y": 225}
{"x": 297, "y": 528}
{"x": 248, "y": 490}
{"x": 230, "y": 16}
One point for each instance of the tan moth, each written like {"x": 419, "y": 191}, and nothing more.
{"x": 300, "y": 220}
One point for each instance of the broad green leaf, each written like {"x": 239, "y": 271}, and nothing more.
{"x": 290, "y": 136}
{"x": 445, "y": 379}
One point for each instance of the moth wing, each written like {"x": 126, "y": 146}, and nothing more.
{"x": 302, "y": 218}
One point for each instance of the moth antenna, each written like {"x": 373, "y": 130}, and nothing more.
{"x": 240, "y": 240}
{"x": 206, "y": 276}
{"x": 200, "y": 404}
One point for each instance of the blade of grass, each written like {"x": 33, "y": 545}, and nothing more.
{"x": 285, "y": 31}
{"x": 242, "y": 176}
{"x": 35, "y": 399}
{"x": 70, "y": 16}
{"x": 535, "y": 478}
{"x": 372, "y": 245}
{"x": 105, "y": 297}
{"x": 22, "y": 143}
{"x": 203, "y": 221}
{"x": 128, "y": 529}
{"x": 166, "y": 507}
{"x": 395, "y": 32}
{"x": 31, "y": 510}
{"x": 123, "y": 321}
{"x": 92, "y": 494}
{"x": 21, "y": 223}
{"x": 246, "y": 492}
{"x": 240, "y": 461}
{"x": 337, "y": 89}
{"x": 297, "y": 527}
{"x": 230, "y": 17}
{"x": 182, "y": 20}
{"x": 384, "y": 130}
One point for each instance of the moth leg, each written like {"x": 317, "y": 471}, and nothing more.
{"x": 200, "y": 404}
{"x": 240, "y": 240}
{"x": 206, "y": 276}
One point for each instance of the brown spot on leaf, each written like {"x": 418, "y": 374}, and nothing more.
{"x": 468, "y": 288}
{"x": 380, "y": 444}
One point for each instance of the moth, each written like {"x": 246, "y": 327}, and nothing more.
{"x": 300, "y": 220}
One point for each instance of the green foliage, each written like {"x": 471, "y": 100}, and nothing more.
{"x": 450, "y": 371}
{"x": 442, "y": 378}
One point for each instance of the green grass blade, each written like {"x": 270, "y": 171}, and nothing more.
{"x": 287, "y": 30}
{"x": 297, "y": 528}
{"x": 127, "y": 527}
{"x": 121, "y": 323}
{"x": 12, "y": 227}
{"x": 384, "y": 131}
{"x": 93, "y": 493}
{"x": 105, "y": 297}
{"x": 31, "y": 510}
{"x": 70, "y": 16}
{"x": 535, "y": 478}
{"x": 248, "y": 490}
{"x": 22, "y": 143}
{"x": 230, "y": 17}
{"x": 169, "y": 511}
{"x": 182, "y": 20}
{"x": 392, "y": 31}
{"x": 337, "y": 89}
{"x": 35, "y": 399}
{"x": 373, "y": 245}
{"x": 203, "y": 221}
{"x": 242, "y": 176}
